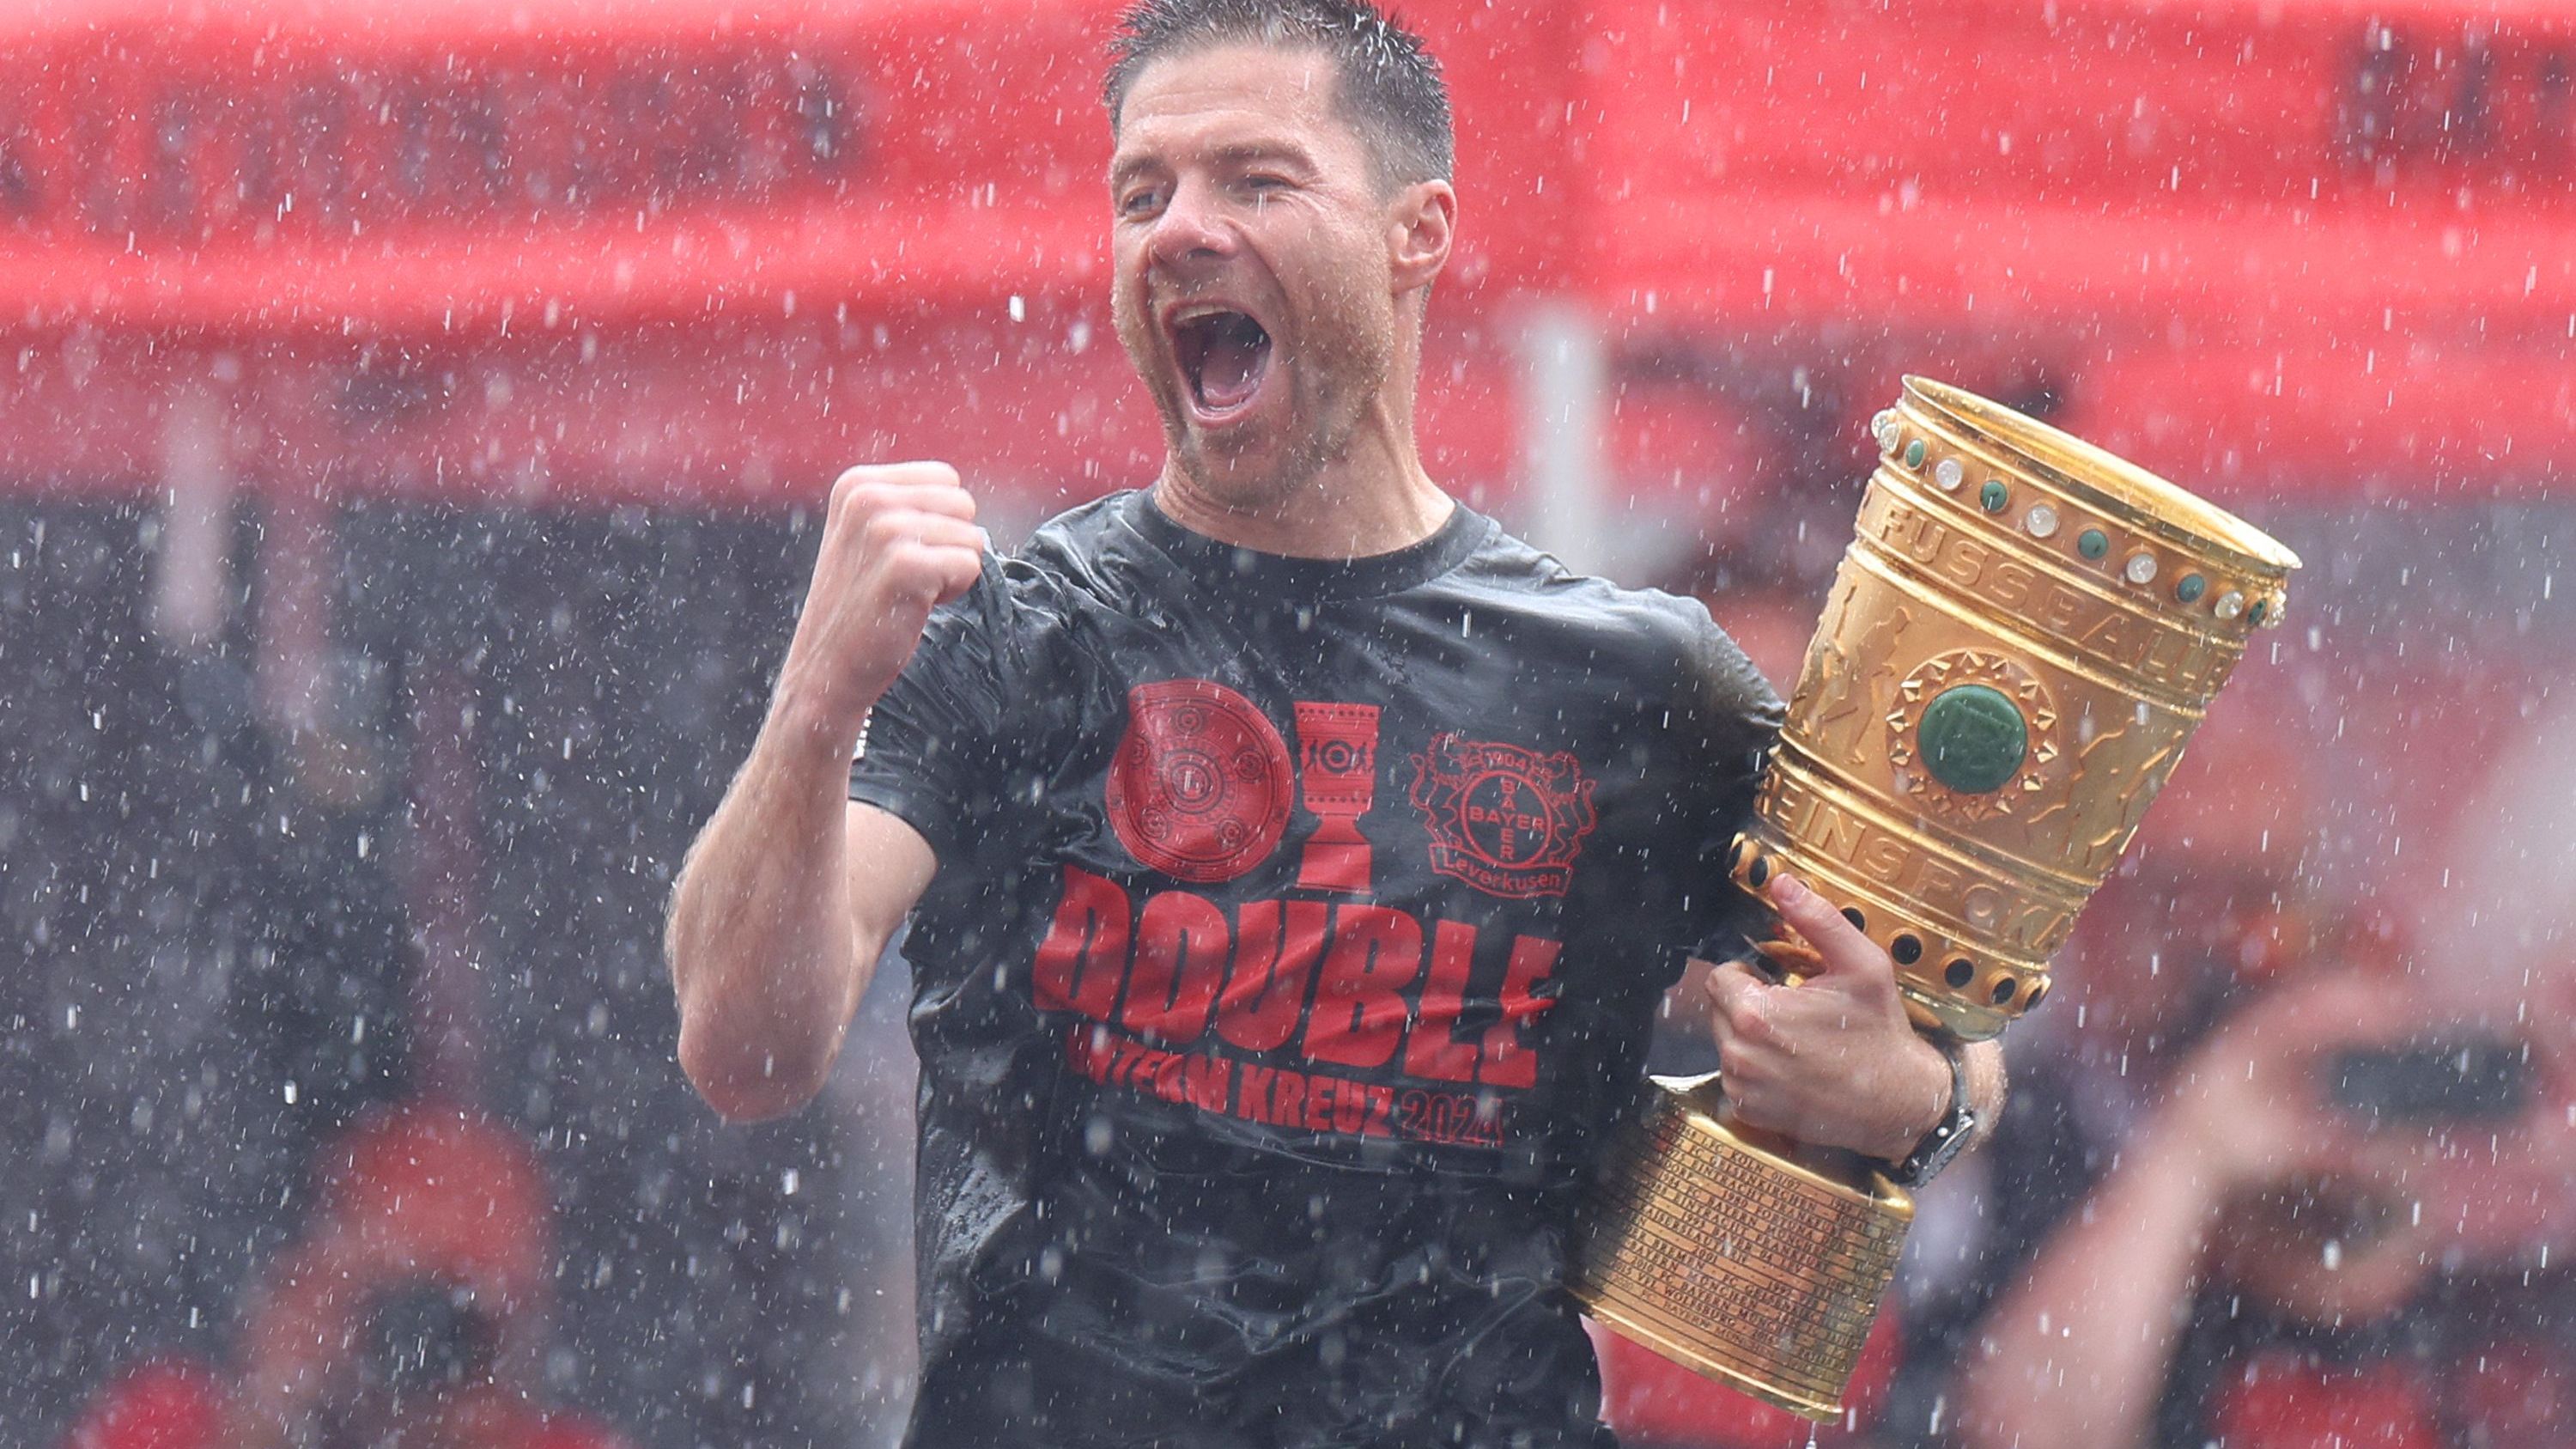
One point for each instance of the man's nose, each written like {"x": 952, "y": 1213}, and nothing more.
{"x": 1193, "y": 227}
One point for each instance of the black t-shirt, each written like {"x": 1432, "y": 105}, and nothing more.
{"x": 1297, "y": 932}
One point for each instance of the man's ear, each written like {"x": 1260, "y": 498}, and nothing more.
{"x": 1422, "y": 221}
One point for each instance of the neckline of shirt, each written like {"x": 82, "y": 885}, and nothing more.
{"x": 1288, "y": 578}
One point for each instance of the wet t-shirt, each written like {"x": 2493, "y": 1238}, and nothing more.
{"x": 1296, "y": 936}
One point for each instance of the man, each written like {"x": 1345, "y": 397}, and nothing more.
{"x": 2335, "y": 1224}
{"x": 2342, "y": 1213}
{"x": 409, "y": 1314}
{"x": 1295, "y": 862}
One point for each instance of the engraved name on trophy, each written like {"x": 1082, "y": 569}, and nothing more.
{"x": 2021, "y": 637}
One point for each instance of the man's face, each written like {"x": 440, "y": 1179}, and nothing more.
{"x": 1253, "y": 286}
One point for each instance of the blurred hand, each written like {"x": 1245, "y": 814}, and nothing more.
{"x": 1832, "y": 1060}
{"x": 2251, "y": 1104}
{"x": 899, "y": 540}
{"x": 2309, "y": 1209}
{"x": 2503, "y": 1188}
{"x": 2506, "y": 1190}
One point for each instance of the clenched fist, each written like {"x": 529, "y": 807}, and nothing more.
{"x": 899, "y": 540}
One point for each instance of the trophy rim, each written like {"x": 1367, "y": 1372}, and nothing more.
{"x": 1678, "y": 1350}
{"x": 2105, "y": 479}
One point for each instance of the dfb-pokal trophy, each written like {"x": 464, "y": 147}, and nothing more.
{"x": 2020, "y": 640}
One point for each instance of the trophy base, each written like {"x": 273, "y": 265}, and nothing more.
{"x": 1739, "y": 1254}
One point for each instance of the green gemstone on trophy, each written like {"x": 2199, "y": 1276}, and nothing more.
{"x": 2191, "y": 588}
{"x": 2093, "y": 543}
{"x": 1972, "y": 738}
{"x": 1914, "y": 453}
{"x": 1993, "y": 495}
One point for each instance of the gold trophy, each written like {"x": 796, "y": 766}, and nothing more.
{"x": 2021, "y": 637}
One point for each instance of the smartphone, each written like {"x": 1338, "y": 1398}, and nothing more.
{"x": 2464, "y": 1079}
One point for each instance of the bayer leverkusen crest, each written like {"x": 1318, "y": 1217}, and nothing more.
{"x": 1505, "y": 820}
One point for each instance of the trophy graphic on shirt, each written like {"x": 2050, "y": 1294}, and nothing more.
{"x": 1337, "y": 745}
{"x": 2020, "y": 640}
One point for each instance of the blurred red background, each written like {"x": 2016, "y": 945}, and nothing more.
{"x": 711, "y": 251}
{"x": 454, "y": 381}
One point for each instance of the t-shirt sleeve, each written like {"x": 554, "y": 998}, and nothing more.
{"x": 942, "y": 744}
{"x": 1729, "y": 717}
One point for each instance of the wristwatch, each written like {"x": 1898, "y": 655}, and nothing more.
{"x": 1949, "y": 1136}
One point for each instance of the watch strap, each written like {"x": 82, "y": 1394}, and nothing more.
{"x": 1949, "y": 1137}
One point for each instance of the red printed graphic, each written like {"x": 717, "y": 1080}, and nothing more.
{"x": 1337, "y": 758}
{"x": 1356, "y": 1007}
{"x": 1505, "y": 820}
{"x": 1285, "y": 1096}
{"x": 1199, "y": 789}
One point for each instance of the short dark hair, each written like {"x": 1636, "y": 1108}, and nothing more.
{"x": 1390, "y": 87}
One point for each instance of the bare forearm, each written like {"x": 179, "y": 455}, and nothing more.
{"x": 773, "y": 933}
{"x": 763, "y": 942}
{"x": 2078, "y": 1353}
{"x": 1982, "y": 1064}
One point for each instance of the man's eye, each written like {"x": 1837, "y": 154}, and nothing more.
{"x": 1266, "y": 183}
{"x": 1137, "y": 202}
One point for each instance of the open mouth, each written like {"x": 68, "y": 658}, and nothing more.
{"x": 1224, "y": 354}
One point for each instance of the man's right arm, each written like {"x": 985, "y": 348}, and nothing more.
{"x": 792, "y": 890}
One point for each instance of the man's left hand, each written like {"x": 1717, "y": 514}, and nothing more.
{"x": 1832, "y": 1060}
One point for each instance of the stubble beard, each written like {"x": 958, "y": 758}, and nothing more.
{"x": 1254, "y": 472}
